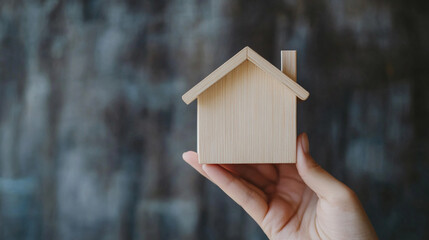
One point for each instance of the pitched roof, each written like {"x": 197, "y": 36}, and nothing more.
{"x": 245, "y": 54}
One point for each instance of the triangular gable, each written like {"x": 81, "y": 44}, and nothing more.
{"x": 245, "y": 54}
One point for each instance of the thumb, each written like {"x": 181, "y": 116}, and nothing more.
{"x": 320, "y": 181}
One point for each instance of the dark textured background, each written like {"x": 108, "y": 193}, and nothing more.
{"x": 92, "y": 126}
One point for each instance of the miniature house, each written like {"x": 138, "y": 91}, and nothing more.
{"x": 247, "y": 110}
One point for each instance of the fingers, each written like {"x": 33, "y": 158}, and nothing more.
{"x": 192, "y": 159}
{"x": 248, "y": 198}
{"x": 250, "y": 174}
{"x": 320, "y": 181}
{"x": 260, "y": 175}
{"x": 267, "y": 170}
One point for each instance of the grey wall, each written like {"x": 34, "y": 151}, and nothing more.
{"x": 92, "y": 126}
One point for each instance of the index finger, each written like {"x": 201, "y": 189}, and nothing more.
{"x": 192, "y": 159}
{"x": 249, "y": 199}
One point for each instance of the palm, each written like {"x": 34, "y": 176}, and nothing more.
{"x": 290, "y": 197}
{"x": 287, "y": 199}
{"x": 282, "y": 198}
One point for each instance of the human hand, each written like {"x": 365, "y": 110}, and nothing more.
{"x": 290, "y": 201}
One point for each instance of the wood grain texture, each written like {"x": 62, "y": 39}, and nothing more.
{"x": 300, "y": 92}
{"x": 289, "y": 68}
{"x": 247, "y": 117}
{"x": 217, "y": 74}
{"x": 245, "y": 54}
{"x": 288, "y": 63}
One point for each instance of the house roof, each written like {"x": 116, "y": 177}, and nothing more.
{"x": 245, "y": 54}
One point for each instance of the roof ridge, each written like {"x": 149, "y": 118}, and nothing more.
{"x": 245, "y": 54}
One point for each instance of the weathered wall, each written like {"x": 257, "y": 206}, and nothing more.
{"x": 92, "y": 126}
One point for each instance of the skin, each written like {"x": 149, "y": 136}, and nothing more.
{"x": 290, "y": 201}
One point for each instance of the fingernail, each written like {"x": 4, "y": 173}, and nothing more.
{"x": 304, "y": 143}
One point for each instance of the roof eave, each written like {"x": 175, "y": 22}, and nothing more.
{"x": 245, "y": 54}
{"x": 217, "y": 74}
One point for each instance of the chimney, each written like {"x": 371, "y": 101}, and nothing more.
{"x": 288, "y": 62}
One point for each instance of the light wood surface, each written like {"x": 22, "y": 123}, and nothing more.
{"x": 217, "y": 74}
{"x": 245, "y": 54}
{"x": 300, "y": 92}
{"x": 289, "y": 67}
{"x": 288, "y": 63}
{"x": 248, "y": 116}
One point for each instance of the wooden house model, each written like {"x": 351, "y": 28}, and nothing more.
{"x": 247, "y": 110}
